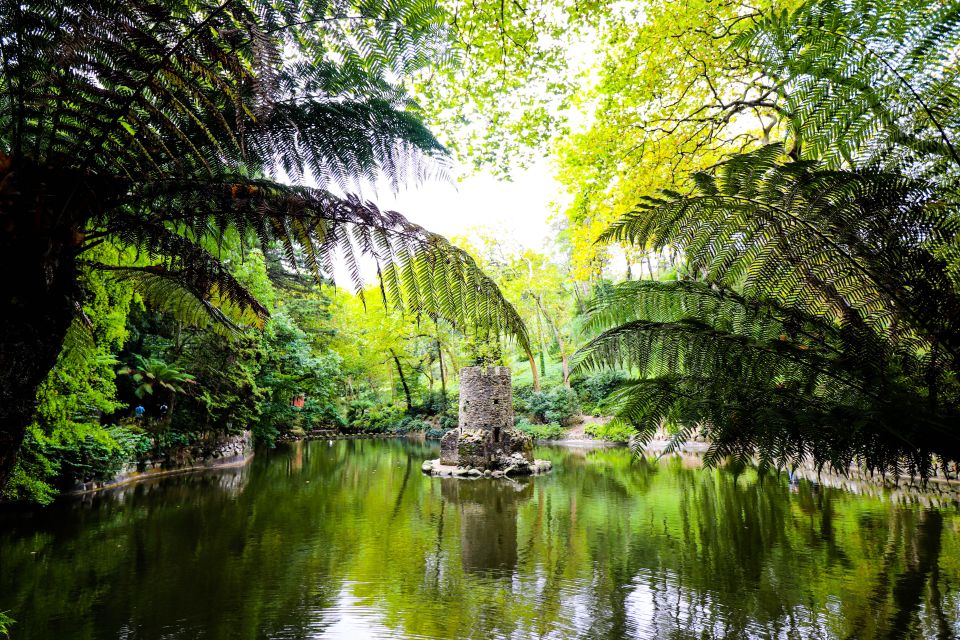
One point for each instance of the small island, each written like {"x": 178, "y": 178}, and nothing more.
{"x": 485, "y": 444}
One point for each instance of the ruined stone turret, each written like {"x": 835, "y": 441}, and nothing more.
{"x": 486, "y": 398}
{"x": 485, "y": 440}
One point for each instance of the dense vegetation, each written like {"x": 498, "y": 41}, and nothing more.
{"x": 822, "y": 316}
{"x": 773, "y": 189}
{"x": 144, "y": 144}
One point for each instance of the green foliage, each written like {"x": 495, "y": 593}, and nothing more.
{"x": 5, "y": 623}
{"x": 507, "y": 90}
{"x": 102, "y": 458}
{"x": 183, "y": 125}
{"x": 291, "y": 368}
{"x": 558, "y": 404}
{"x": 866, "y": 83}
{"x": 77, "y": 392}
{"x": 594, "y": 389}
{"x": 334, "y": 113}
{"x": 484, "y": 351}
{"x": 826, "y": 325}
{"x": 549, "y": 431}
{"x": 435, "y": 403}
{"x": 822, "y": 320}
{"x": 614, "y": 431}
{"x": 366, "y": 416}
{"x": 36, "y": 466}
{"x": 152, "y": 376}
{"x": 435, "y": 434}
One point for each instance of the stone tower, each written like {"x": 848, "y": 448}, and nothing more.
{"x": 486, "y": 399}
{"x": 485, "y": 442}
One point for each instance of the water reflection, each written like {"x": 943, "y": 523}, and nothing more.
{"x": 349, "y": 539}
{"x": 488, "y": 520}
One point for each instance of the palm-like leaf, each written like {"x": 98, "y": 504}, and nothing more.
{"x": 149, "y": 373}
{"x": 827, "y": 321}
{"x": 867, "y": 82}
{"x": 159, "y": 125}
{"x": 160, "y": 119}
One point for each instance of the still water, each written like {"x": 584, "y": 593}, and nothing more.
{"x": 349, "y": 540}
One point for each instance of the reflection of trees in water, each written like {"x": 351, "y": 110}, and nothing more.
{"x": 605, "y": 546}
{"x": 710, "y": 555}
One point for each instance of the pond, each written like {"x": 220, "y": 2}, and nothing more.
{"x": 348, "y": 539}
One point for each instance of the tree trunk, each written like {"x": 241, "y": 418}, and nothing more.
{"x": 564, "y": 357}
{"x": 443, "y": 376}
{"x": 543, "y": 364}
{"x": 38, "y": 294}
{"x": 403, "y": 379}
{"x": 533, "y": 371}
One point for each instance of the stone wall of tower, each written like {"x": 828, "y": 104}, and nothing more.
{"x": 486, "y": 400}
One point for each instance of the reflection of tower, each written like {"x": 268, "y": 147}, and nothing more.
{"x": 488, "y": 521}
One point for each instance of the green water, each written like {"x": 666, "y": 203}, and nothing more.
{"x": 350, "y": 540}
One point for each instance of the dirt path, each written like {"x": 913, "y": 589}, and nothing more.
{"x": 577, "y": 431}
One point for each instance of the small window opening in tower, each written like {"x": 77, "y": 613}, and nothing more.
{"x": 496, "y": 433}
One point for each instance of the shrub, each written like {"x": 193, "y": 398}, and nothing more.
{"x": 433, "y": 403}
{"x": 612, "y": 431}
{"x": 5, "y": 623}
{"x": 554, "y": 405}
{"x": 551, "y": 431}
{"x": 100, "y": 456}
{"x": 595, "y": 389}
{"x": 366, "y": 417}
{"x": 408, "y": 424}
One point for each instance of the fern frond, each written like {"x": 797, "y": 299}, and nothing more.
{"x": 824, "y": 326}
{"x": 867, "y": 83}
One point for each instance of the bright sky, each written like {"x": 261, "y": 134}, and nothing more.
{"x": 518, "y": 209}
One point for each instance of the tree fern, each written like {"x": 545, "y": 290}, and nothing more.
{"x": 159, "y": 125}
{"x": 867, "y": 82}
{"x": 825, "y": 323}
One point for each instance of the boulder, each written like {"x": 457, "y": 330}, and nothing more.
{"x": 514, "y": 442}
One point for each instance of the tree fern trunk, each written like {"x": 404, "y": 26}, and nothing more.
{"x": 38, "y": 290}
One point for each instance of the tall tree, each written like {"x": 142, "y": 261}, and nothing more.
{"x": 158, "y": 125}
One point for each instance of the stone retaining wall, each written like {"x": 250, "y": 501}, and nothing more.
{"x": 223, "y": 452}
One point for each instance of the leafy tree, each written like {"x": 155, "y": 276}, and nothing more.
{"x": 158, "y": 126}
{"x": 510, "y": 88}
{"x": 290, "y": 369}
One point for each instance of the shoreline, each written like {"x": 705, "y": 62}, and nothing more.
{"x": 149, "y": 474}
{"x": 903, "y": 489}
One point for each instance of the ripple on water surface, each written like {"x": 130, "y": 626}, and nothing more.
{"x": 350, "y": 540}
